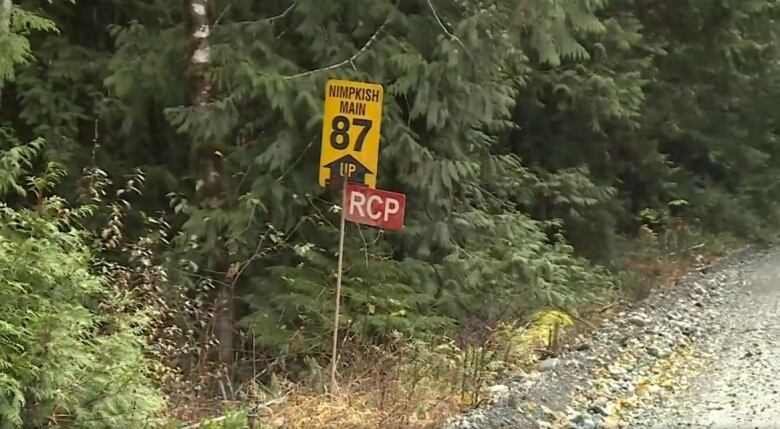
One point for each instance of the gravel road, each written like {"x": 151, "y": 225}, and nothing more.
{"x": 740, "y": 387}
{"x": 704, "y": 354}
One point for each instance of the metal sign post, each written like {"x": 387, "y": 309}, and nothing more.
{"x": 349, "y": 153}
{"x": 342, "y": 227}
{"x": 349, "y": 156}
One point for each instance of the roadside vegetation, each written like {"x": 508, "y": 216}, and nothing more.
{"x": 167, "y": 256}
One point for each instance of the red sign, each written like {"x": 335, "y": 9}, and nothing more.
{"x": 375, "y": 207}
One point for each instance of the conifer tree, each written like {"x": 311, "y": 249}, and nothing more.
{"x": 526, "y": 135}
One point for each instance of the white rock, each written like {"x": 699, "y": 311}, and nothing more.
{"x": 499, "y": 394}
{"x": 549, "y": 364}
{"x": 588, "y": 424}
{"x": 499, "y": 389}
{"x": 637, "y": 320}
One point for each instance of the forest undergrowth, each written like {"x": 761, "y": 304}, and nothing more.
{"x": 170, "y": 258}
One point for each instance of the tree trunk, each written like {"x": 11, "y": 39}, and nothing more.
{"x": 210, "y": 188}
{"x": 5, "y": 30}
{"x": 199, "y": 29}
{"x": 5, "y": 17}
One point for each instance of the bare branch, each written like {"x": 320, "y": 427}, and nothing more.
{"x": 281, "y": 15}
{"x": 446, "y": 31}
{"x": 349, "y": 60}
{"x": 269, "y": 20}
{"x": 294, "y": 164}
{"x": 222, "y": 14}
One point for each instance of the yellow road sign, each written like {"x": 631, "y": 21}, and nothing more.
{"x": 350, "y": 132}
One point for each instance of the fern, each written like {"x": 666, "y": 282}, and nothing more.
{"x": 16, "y": 162}
{"x": 14, "y": 42}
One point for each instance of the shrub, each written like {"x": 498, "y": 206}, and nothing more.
{"x": 65, "y": 359}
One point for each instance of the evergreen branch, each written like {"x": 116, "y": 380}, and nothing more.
{"x": 446, "y": 31}
{"x": 349, "y": 60}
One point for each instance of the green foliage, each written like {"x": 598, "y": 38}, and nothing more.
{"x": 15, "y": 161}
{"x": 532, "y": 138}
{"x": 16, "y": 26}
{"x": 555, "y": 25}
{"x": 65, "y": 361}
{"x": 232, "y": 420}
{"x": 67, "y": 356}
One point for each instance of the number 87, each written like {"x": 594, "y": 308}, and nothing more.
{"x": 339, "y": 137}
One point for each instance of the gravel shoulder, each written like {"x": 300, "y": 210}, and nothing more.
{"x": 740, "y": 387}
{"x": 704, "y": 354}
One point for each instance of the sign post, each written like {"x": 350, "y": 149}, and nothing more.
{"x": 349, "y": 156}
{"x": 342, "y": 228}
{"x": 349, "y": 152}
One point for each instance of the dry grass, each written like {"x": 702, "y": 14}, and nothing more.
{"x": 360, "y": 409}
{"x": 413, "y": 384}
{"x": 409, "y": 384}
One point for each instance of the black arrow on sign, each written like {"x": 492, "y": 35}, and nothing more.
{"x": 347, "y": 167}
